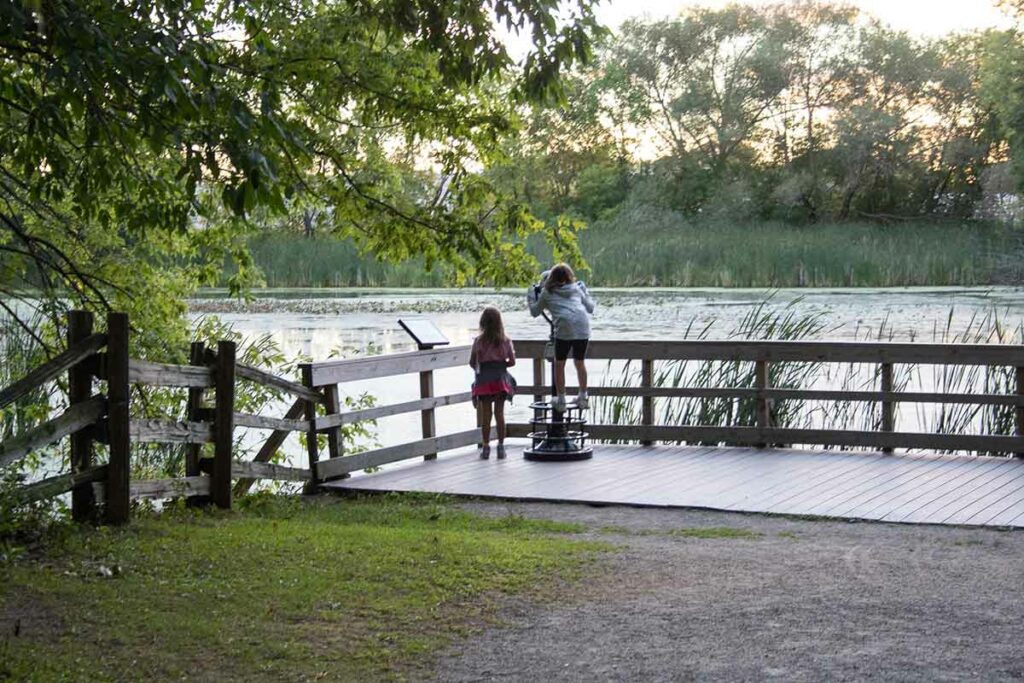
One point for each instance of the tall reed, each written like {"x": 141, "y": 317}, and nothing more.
{"x": 671, "y": 250}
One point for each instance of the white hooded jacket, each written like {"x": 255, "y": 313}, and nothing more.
{"x": 570, "y": 306}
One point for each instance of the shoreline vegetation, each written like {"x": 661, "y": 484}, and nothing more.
{"x": 762, "y": 255}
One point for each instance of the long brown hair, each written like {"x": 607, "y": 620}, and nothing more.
{"x": 560, "y": 275}
{"x": 492, "y": 329}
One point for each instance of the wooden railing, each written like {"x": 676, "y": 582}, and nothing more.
{"x": 317, "y": 409}
{"x": 326, "y": 377}
{"x": 763, "y": 354}
{"x": 97, "y": 418}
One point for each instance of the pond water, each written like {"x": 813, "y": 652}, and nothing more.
{"x": 324, "y": 323}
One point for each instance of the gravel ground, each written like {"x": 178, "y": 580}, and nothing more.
{"x": 799, "y": 600}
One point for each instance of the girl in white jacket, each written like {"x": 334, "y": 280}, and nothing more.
{"x": 570, "y": 305}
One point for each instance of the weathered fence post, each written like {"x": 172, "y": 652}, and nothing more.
{"x": 762, "y": 408}
{"x": 647, "y": 402}
{"x": 83, "y": 500}
{"x": 117, "y": 496}
{"x": 1020, "y": 409}
{"x": 888, "y": 407}
{"x": 223, "y": 425}
{"x": 197, "y": 356}
{"x": 312, "y": 448}
{"x": 332, "y": 406}
{"x": 427, "y": 415}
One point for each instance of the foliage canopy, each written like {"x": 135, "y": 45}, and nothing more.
{"x": 139, "y": 140}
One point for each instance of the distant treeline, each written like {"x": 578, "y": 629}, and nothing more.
{"x": 800, "y": 112}
{"x": 794, "y": 144}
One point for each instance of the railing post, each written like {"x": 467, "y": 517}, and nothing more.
{"x": 1020, "y": 409}
{"x": 83, "y": 500}
{"x": 427, "y": 416}
{"x": 312, "y": 447}
{"x": 197, "y": 356}
{"x": 117, "y": 497}
{"x": 223, "y": 425}
{"x": 762, "y": 410}
{"x": 888, "y": 407}
{"x": 538, "y": 382}
{"x": 332, "y": 404}
{"x": 647, "y": 402}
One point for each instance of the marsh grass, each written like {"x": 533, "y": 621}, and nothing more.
{"x": 702, "y": 253}
{"x": 353, "y": 590}
{"x": 293, "y": 261}
{"x": 787, "y": 324}
{"x": 708, "y": 253}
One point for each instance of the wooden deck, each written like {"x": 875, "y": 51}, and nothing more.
{"x": 920, "y": 488}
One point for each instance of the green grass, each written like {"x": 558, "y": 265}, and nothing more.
{"x": 681, "y": 253}
{"x": 710, "y": 532}
{"x": 284, "y": 590}
{"x": 686, "y": 532}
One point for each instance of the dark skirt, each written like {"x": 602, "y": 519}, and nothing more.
{"x": 494, "y": 381}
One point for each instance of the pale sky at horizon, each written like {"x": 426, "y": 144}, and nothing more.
{"x": 922, "y": 17}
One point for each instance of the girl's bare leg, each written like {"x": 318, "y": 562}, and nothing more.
{"x": 499, "y": 419}
{"x": 485, "y": 419}
{"x": 581, "y": 374}
{"x": 560, "y": 378}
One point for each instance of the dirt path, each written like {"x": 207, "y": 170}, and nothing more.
{"x": 762, "y": 598}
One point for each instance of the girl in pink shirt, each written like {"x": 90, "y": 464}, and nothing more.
{"x": 491, "y": 356}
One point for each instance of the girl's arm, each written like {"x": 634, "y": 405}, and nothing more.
{"x": 472, "y": 356}
{"x": 588, "y": 301}
{"x": 536, "y": 301}
{"x": 510, "y": 358}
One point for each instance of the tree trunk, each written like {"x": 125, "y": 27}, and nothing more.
{"x": 308, "y": 223}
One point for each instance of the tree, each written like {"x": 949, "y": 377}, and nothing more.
{"x": 1002, "y": 86}
{"x": 125, "y": 127}
{"x": 565, "y": 161}
{"x": 704, "y": 84}
{"x": 822, "y": 45}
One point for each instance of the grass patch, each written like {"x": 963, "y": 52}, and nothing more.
{"x": 283, "y": 590}
{"x": 687, "y": 532}
{"x": 713, "y": 532}
{"x": 788, "y": 534}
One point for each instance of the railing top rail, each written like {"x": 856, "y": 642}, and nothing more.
{"x": 371, "y": 367}
{"x": 52, "y": 368}
{"x": 807, "y": 351}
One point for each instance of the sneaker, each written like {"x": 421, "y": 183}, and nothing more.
{"x": 582, "y": 401}
{"x": 558, "y": 404}
{"x": 485, "y": 452}
{"x": 501, "y": 451}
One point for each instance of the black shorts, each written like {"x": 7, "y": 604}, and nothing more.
{"x": 578, "y": 346}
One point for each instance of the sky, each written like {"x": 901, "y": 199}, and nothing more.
{"x": 923, "y": 17}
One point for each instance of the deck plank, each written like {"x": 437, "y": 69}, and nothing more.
{"x": 914, "y": 499}
{"x": 911, "y": 488}
{"x": 938, "y": 510}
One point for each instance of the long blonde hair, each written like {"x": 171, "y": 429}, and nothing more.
{"x": 492, "y": 329}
